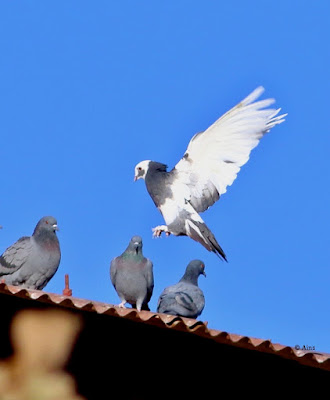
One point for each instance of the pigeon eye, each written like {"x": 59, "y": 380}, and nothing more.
{"x": 139, "y": 169}
{"x": 47, "y": 222}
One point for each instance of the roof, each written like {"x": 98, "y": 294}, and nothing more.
{"x": 191, "y": 326}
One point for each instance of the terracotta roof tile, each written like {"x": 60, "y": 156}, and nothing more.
{"x": 192, "y": 326}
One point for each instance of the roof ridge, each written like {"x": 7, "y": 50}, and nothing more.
{"x": 193, "y": 326}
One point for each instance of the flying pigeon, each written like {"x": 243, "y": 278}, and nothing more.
{"x": 210, "y": 164}
{"x": 184, "y": 298}
{"x": 132, "y": 276}
{"x": 33, "y": 260}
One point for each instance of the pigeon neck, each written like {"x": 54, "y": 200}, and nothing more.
{"x": 133, "y": 252}
{"x": 190, "y": 277}
{"x": 156, "y": 166}
{"x": 44, "y": 236}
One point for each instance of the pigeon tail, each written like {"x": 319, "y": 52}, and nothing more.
{"x": 201, "y": 233}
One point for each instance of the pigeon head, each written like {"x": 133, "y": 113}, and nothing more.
{"x": 135, "y": 245}
{"x": 193, "y": 270}
{"x": 141, "y": 170}
{"x": 46, "y": 224}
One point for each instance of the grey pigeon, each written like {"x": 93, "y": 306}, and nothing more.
{"x": 33, "y": 260}
{"x": 184, "y": 298}
{"x": 132, "y": 276}
{"x": 210, "y": 164}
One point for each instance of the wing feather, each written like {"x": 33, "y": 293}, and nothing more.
{"x": 149, "y": 278}
{"x": 15, "y": 256}
{"x": 214, "y": 157}
{"x": 113, "y": 270}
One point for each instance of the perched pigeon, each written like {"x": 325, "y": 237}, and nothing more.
{"x": 132, "y": 276}
{"x": 33, "y": 260}
{"x": 185, "y": 298}
{"x": 210, "y": 164}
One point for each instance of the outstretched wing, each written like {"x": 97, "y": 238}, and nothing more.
{"x": 15, "y": 256}
{"x": 214, "y": 157}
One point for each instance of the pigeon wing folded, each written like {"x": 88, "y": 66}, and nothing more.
{"x": 149, "y": 278}
{"x": 15, "y": 256}
{"x": 181, "y": 299}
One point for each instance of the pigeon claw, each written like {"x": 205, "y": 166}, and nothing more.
{"x": 157, "y": 232}
{"x": 122, "y": 304}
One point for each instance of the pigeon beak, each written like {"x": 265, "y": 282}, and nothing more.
{"x": 56, "y": 228}
{"x": 204, "y": 273}
{"x": 135, "y": 178}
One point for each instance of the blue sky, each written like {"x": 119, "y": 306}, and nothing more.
{"x": 89, "y": 89}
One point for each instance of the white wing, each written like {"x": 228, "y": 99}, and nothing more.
{"x": 214, "y": 157}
